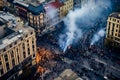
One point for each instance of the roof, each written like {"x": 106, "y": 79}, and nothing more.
{"x": 21, "y": 4}
{"x": 27, "y": 2}
{"x": 10, "y": 1}
{"x": 7, "y": 16}
{"x": 55, "y": 4}
{"x": 115, "y": 15}
{"x": 19, "y": 30}
{"x": 68, "y": 74}
{"x": 36, "y": 9}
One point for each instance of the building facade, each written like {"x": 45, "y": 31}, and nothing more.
{"x": 113, "y": 30}
{"x": 17, "y": 47}
{"x": 35, "y": 17}
{"x": 68, "y": 5}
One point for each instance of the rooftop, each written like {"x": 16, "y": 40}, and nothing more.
{"x": 16, "y": 26}
{"x": 36, "y": 10}
{"x": 116, "y": 15}
{"x": 52, "y": 6}
{"x": 38, "y": 6}
{"x": 68, "y": 74}
{"x": 34, "y": 6}
{"x": 55, "y": 4}
{"x": 27, "y": 2}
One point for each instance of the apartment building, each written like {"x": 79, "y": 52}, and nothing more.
{"x": 68, "y": 5}
{"x": 17, "y": 46}
{"x": 113, "y": 30}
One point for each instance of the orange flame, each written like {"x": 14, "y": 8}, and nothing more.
{"x": 41, "y": 56}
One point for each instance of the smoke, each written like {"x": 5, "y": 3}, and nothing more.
{"x": 51, "y": 11}
{"x": 80, "y": 20}
{"x": 98, "y": 36}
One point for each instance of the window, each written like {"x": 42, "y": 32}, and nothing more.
{"x": 4, "y": 49}
{"x": 1, "y": 71}
{"x": 113, "y": 25}
{"x": 6, "y": 57}
{"x": 0, "y": 63}
{"x": 12, "y": 54}
{"x": 21, "y": 39}
{"x": 31, "y": 33}
{"x": 118, "y": 21}
{"x": 23, "y": 46}
{"x": 13, "y": 62}
{"x": 15, "y": 42}
{"x": 33, "y": 46}
{"x": 27, "y": 40}
{"x": 113, "y": 19}
{"x": 117, "y": 25}
{"x": 7, "y": 66}
{"x": 18, "y": 59}
{"x": 115, "y": 34}
{"x": 28, "y": 51}
{"x": 10, "y": 45}
{"x": 33, "y": 55}
{"x": 24, "y": 54}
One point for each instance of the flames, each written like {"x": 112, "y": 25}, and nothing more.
{"x": 43, "y": 55}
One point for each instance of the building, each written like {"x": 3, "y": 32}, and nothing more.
{"x": 17, "y": 46}
{"x": 68, "y": 5}
{"x": 42, "y": 16}
{"x": 113, "y": 30}
{"x": 68, "y": 74}
{"x": 35, "y": 17}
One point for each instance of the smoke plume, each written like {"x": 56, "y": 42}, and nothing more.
{"x": 51, "y": 11}
{"x": 80, "y": 20}
{"x": 98, "y": 36}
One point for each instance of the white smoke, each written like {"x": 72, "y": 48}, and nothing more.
{"x": 79, "y": 20}
{"x": 51, "y": 11}
{"x": 98, "y": 36}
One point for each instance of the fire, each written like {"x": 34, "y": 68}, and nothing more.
{"x": 40, "y": 70}
{"x": 41, "y": 57}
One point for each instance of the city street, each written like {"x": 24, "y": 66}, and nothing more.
{"x": 92, "y": 62}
